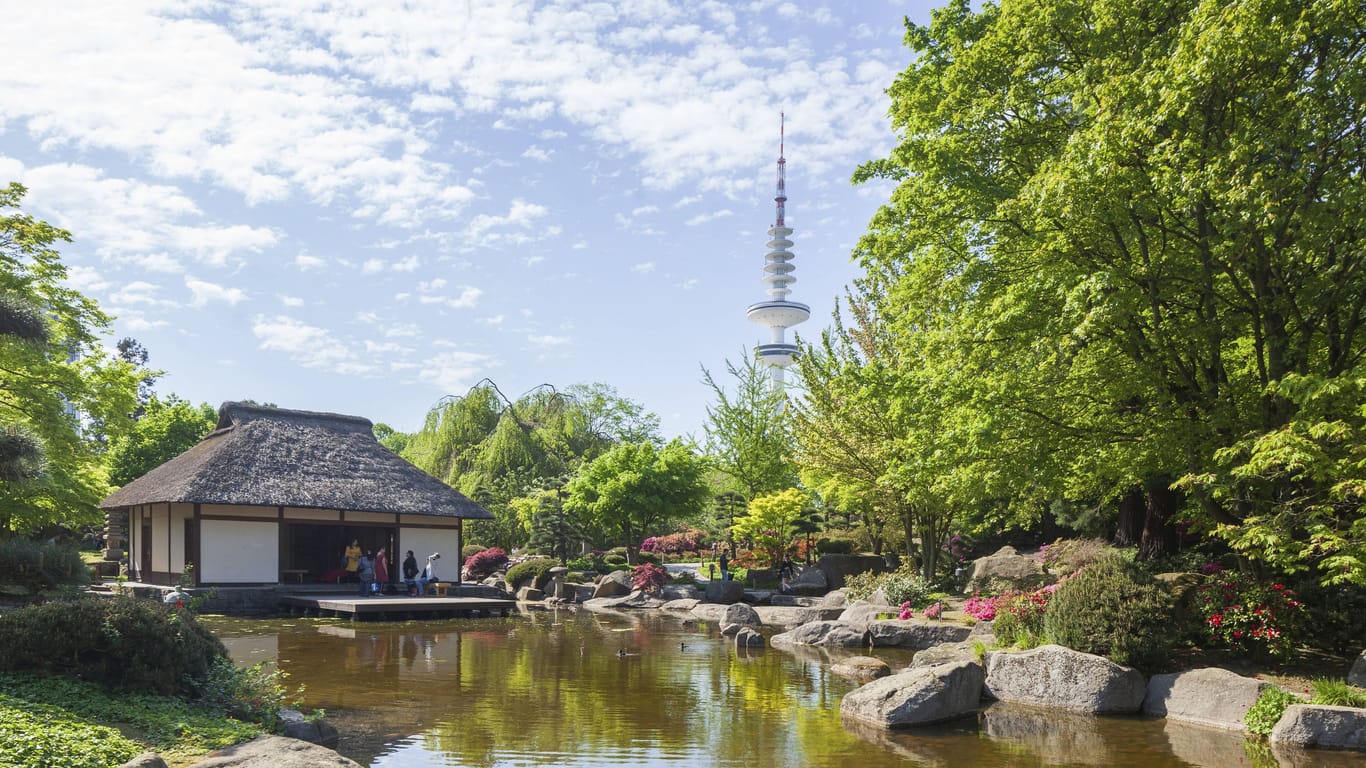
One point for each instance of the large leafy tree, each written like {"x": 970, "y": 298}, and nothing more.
{"x": 167, "y": 429}
{"x": 748, "y": 433}
{"x": 58, "y": 386}
{"x": 770, "y": 521}
{"x": 637, "y": 489}
{"x": 1136, "y": 223}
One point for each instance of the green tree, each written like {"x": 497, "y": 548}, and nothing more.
{"x": 167, "y": 429}
{"x": 770, "y": 520}
{"x": 636, "y": 489}
{"x": 748, "y": 434}
{"x": 68, "y": 393}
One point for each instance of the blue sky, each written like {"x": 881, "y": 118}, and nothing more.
{"x": 361, "y": 207}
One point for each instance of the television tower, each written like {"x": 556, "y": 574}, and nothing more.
{"x": 779, "y": 314}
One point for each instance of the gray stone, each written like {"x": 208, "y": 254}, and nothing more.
{"x": 1050, "y": 737}
{"x": 296, "y": 726}
{"x": 1206, "y": 747}
{"x": 1061, "y": 678}
{"x": 917, "y": 697}
{"x": 145, "y": 760}
{"x": 823, "y": 633}
{"x": 730, "y": 630}
{"x": 583, "y": 592}
{"x": 680, "y": 592}
{"x": 861, "y": 668}
{"x": 275, "y": 752}
{"x": 837, "y": 599}
{"x": 1006, "y": 567}
{"x": 982, "y": 628}
{"x": 748, "y": 638}
{"x": 739, "y": 613}
{"x": 1313, "y": 725}
{"x": 530, "y": 595}
{"x": 836, "y": 567}
{"x": 1357, "y": 676}
{"x": 795, "y": 601}
{"x": 724, "y": 592}
{"x": 681, "y": 604}
{"x": 809, "y": 582}
{"x": 1212, "y": 697}
{"x": 635, "y": 599}
{"x": 614, "y": 584}
{"x": 947, "y": 654}
{"x": 863, "y": 613}
{"x": 915, "y": 633}
{"x": 783, "y": 616}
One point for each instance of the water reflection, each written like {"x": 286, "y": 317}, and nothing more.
{"x": 584, "y": 689}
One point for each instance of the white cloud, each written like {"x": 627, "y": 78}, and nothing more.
{"x": 686, "y": 201}
{"x": 703, "y": 218}
{"x": 371, "y": 266}
{"x": 307, "y": 345}
{"x": 306, "y": 262}
{"x": 643, "y": 268}
{"x": 403, "y": 331}
{"x": 538, "y": 154}
{"x": 580, "y": 245}
{"x": 455, "y": 371}
{"x": 521, "y": 214}
{"x": 690, "y": 284}
{"x": 492, "y": 320}
{"x": 427, "y": 286}
{"x": 408, "y": 264}
{"x": 204, "y": 292}
{"x": 85, "y": 279}
{"x": 644, "y": 209}
{"x": 140, "y": 292}
{"x": 289, "y": 301}
{"x": 547, "y": 340}
{"x": 469, "y": 296}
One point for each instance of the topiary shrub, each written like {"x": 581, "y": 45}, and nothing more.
{"x": 648, "y": 578}
{"x": 485, "y": 562}
{"x": 34, "y": 566}
{"x": 535, "y": 572}
{"x": 1114, "y": 609}
{"x": 647, "y": 557}
{"x": 124, "y": 642}
{"x": 612, "y": 559}
{"x": 470, "y": 550}
{"x": 826, "y": 546}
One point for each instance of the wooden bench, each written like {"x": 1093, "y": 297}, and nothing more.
{"x": 297, "y": 573}
{"x": 440, "y": 587}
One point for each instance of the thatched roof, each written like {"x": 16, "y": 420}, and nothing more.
{"x": 275, "y": 457}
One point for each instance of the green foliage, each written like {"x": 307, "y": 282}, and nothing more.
{"x": 1337, "y": 615}
{"x": 828, "y": 546}
{"x": 254, "y": 694}
{"x": 37, "y": 566}
{"x": 534, "y": 571}
{"x": 470, "y": 550}
{"x": 39, "y": 735}
{"x": 638, "y": 488}
{"x": 1066, "y": 556}
{"x": 1114, "y": 609}
{"x": 167, "y": 429}
{"x": 1249, "y": 616}
{"x": 126, "y": 643}
{"x": 1263, "y": 715}
{"x": 748, "y": 433}
{"x": 905, "y": 585}
{"x": 859, "y": 586}
{"x": 1337, "y": 693}
{"x": 770, "y": 520}
{"x": 1019, "y": 619}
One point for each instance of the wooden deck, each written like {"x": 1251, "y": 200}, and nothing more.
{"x": 395, "y": 608}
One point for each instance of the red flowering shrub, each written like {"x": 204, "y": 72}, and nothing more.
{"x": 980, "y": 608}
{"x": 1243, "y": 615}
{"x": 688, "y": 540}
{"x": 1019, "y": 616}
{"x": 486, "y": 562}
{"x": 649, "y": 578}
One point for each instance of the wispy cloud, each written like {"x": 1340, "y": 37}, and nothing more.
{"x": 205, "y": 292}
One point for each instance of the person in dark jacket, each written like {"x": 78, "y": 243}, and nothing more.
{"x": 410, "y": 572}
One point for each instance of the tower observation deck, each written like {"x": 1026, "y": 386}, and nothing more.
{"x": 778, "y": 314}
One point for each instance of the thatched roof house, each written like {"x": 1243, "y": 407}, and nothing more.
{"x": 274, "y": 494}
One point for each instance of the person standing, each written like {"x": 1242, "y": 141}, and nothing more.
{"x": 724, "y": 562}
{"x": 365, "y": 571}
{"x": 410, "y": 573}
{"x": 382, "y": 568}
{"x": 352, "y": 556}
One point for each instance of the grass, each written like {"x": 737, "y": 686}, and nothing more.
{"x": 59, "y": 721}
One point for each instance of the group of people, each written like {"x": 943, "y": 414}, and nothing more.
{"x": 371, "y": 570}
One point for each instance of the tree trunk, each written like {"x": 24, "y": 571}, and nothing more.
{"x": 1132, "y": 509}
{"x": 1159, "y": 533}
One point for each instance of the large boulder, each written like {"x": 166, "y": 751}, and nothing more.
{"x": 145, "y": 760}
{"x": 917, "y": 697}
{"x": 275, "y": 752}
{"x": 861, "y": 668}
{"x": 836, "y": 599}
{"x": 748, "y": 638}
{"x": 1357, "y": 676}
{"x": 949, "y": 653}
{"x": 836, "y": 567}
{"x": 681, "y": 604}
{"x": 1061, "y": 678}
{"x": 1312, "y": 725}
{"x": 317, "y": 731}
{"x": 740, "y": 613}
{"x": 863, "y": 612}
{"x": 614, "y": 584}
{"x": 530, "y": 595}
{"x": 1211, "y": 697}
{"x": 915, "y": 634}
{"x": 810, "y": 582}
{"x": 680, "y": 592}
{"x": 724, "y": 592}
{"x": 1049, "y": 737}
{"x": 1006, "y": 567}
{"x": 783, "y": 616}
{"x": 823, "y": 633}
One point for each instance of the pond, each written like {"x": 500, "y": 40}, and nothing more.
{"x": 587, "y": 689}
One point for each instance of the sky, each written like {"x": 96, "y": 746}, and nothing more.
{"x": 363, "y": 207}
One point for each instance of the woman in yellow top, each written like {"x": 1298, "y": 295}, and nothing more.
{"x": 352, "y": 560}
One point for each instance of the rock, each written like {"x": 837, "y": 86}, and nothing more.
{"x": 809, "y": 582}
{"x": 861, "y": 668}
{"x": 947, "y": 653}
{"x": 837, "y": 599}
{"x": 275, "y": 752}
{"x": 530, "y": 595}
{"x": 614, "y": 584}
{"x": 1007, "y": 567}
{"x": 635, "y": 599}
{"x": 740, "y": 613}
{"x": 297, "y": 726}
{"x": 1357, "y": 676}
{"x": 1050, "y": 737}
{"x": 724, "y": 592}
{"x": 879, "y": 597}
{"x": 1207, "y": 747}
{"x": 795, "y": 601}
{"x": 1313, "y": 725}
{"x": 863, "y": 613}
{"x": 145, "y": 760}
{"x": 823, "y": 633}
{"x": 680, "y": 592}
{"x": 1061, "y": 678}
{"x": 836, "y": 567}
{"x": 748, "y": 638}
{"x": 1215, "y": 698}
{"x": 982, "y": 628}
{"x": 917, "y": 697}
{"x": 915, "y": 633}
{"x": 730, "y": 630}
{"x": 783, "y": 616}
{"x": 681, "y": 604}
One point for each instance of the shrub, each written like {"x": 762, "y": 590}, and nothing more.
{"x": 859, "y": 586}
{"x": 980, "y": 608}
{"x": 1337, "y": 693}
{"x": 825, "y": 546}
{"x": 647, "y": 557}
{"x": 37, "y": 566}
{"x": 252, "y": 694}
{"x": 648, "y": 578}
{"x": 1019, "y": 617}
{"x": 1249, "y": 617}
{"x": 905, "y": 585}
{"x": 1112, "y": 608}
{"x": 535, "y": 571}
{"x": 1262, "y": 716}
{"x": 1066, "y": 556}
{"x": 124, "y": 642}
{"x": 486, "y": 561}
{"x": 470, "y": 550}
{"x": 1337, "y": 614}
{"x": 617, "y": 552}
{"x": 614, "y": 559}
{"x": 582, "y": 564}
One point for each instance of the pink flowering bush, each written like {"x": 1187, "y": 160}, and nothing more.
{"x": 649, "y": 578}
{"x": 1239, "y": 613}
{"x": 1020, "y": 616}
{"x": 689, "y": 540}
{"x": 906, "y": 611}
{"x": 980, "y": 608}
{"x": 935, "y": 610}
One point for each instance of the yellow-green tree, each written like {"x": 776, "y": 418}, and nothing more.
{"x": 770, "y": 519}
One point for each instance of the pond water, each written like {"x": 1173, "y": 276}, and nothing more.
{"x": 554, "y": 688}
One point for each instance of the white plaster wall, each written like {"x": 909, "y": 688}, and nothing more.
{"x": 423, "y": 542}
{"x": 237, "y": 551}
{"x": 179, "y": 514}
{"x": 161, "y": 557}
